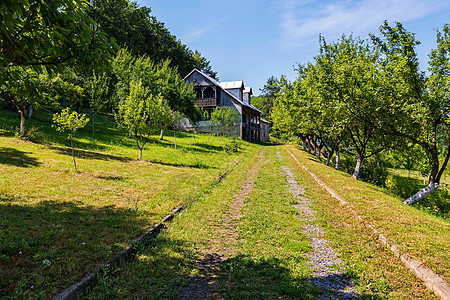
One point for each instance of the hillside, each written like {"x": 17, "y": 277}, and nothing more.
{"x": 245, "y": 235}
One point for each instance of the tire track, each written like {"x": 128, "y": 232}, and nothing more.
{"x": 324, "y": 260}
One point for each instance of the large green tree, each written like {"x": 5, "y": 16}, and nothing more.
{"x": 134, "y": 28}
{"x": 413, "y": 106}
{"x": 48, "y": 33}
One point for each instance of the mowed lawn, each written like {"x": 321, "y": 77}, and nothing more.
{"x": 420, "y": 234}
{"x": 56, "y": 225}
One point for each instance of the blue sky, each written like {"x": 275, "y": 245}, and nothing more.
{"x": 252, "y": 40}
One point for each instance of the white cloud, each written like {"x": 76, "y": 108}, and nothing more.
{"x": 199, "y": 33}
{"x": 303, "y": 22}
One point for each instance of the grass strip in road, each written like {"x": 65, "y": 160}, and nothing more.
{"x": 268, "y": 259}
{"x": 373, "y": 266}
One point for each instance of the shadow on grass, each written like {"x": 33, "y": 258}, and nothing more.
{"x": 195, "y": 165}
{"x": 85, "y": 154}
{"x": 170, "y": 269}
{"x": 50, "y": 245}
{"x": 14, "y": 157}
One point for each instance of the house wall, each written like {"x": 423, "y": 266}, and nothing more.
{"x": 265, "y": 132}
{"x": 236, "y": 92}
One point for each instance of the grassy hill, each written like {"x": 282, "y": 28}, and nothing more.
{"x": 57, "y": 225}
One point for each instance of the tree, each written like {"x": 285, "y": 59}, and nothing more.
{"x": 229, "y": 118}
{"x": 216, "y": 120}
{"x": 25, "y": 90}
{"x": 47, "y": 33}
{"x": 70, "y": 122}
{"x": 414, "y": 107}
{"x": 97, "y": 87}
{"x": 143, "y": 113}
{"x": 178, "y": 121}
{"x": 158, "y": 78}
{"x": 134, "y": 28}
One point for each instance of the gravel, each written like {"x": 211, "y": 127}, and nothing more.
{"x": 325, "y": 262}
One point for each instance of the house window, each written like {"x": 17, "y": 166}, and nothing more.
{"x": 198, "y": 91}
{"x": 209, "y": 93}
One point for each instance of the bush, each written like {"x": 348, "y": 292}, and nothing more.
{"x": 232, "y": 147}
{"x": 373, "y": 172}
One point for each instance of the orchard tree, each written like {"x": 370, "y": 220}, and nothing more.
{"x": 415, "y": 107}
{"x": 27, "y": 89}
{"x": 47, "y": 33}
{"x": 97, "y": 88}
{"x": 178, "y": 122}
{"x": 143, "y": 113}
{"x": 230, "y": 117}
{"x": 70, "y": 122}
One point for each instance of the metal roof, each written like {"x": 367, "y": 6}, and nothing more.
{"x": 232, "y": 84}
{"x": 248, "y": 90}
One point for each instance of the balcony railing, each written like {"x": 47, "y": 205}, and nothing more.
{"x": 205, "y": 102}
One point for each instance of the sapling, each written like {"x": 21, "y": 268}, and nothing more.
{"x": 70, "y": 122}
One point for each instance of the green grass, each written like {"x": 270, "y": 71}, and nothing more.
{"x": 420, "y": 234}
{"x": 57, "y": 225}
{"x": 267, "y": 260}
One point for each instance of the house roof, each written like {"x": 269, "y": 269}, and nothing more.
{"x": 239, "y": 84}
{"x": 248, "y": 90}
{"x": 218, "y": 84}
{"x": 264, "y": 120}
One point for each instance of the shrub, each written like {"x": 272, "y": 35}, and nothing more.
{"x": 232, "y": 146}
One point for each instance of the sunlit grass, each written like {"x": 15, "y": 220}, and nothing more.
{"x": 419, "y": 234}
{"x": 56, "y": 225}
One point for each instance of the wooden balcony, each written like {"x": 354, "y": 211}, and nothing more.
{"x": 207, "y": 102}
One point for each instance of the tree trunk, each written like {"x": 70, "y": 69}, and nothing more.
{"x": 93, "y": 124}
{"x": 73, "y": 154}
{"x": 422, "y": 193}
{"x": 161, "y": 135}
{"x": 319, "y": 149}
{"x": 309, "y": 146}
{"x": 22, "y": 123}
{"x": 330, "y": 154}
{"x": 338, "y": 159}
{"x": 175, "y": 138}
{"x": 30, "y": 112}
{"x": 304, "y": 143}
{"x": 357, "y": 167}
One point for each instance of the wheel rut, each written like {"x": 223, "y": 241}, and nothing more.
{"x": 327, "y": 266}
{"x": 204, "y": 285}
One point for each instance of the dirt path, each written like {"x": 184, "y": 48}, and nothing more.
{"x": 203, "y": 285}
{"x": 323, "y": 259}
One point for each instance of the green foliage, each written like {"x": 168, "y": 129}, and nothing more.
{"x": 69, "y": 122}
{"x": 232, "y": 147}
{"x": 143, "y": 113}
{"x": 134, "y": 28}
{"x": 158, "y": 78}
{"x": 48, "y": 33}
{"x": 229, "y": 117}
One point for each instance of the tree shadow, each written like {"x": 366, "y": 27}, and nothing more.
{"x": 50, "y": 245}
{"x": 14, "y": 157}
{"x": 85, "y": 154}
{"x": 170, "y": 269}
{"x": 195, "y": 165}
{"x": 209, "y": 147}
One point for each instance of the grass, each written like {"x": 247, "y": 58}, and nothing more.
{"x": 266, "y": 260}
{"x": 420, "y": 234}
{"x": 57, "y": 225}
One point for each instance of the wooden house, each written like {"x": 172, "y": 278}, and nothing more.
{"x": 212, "y": 94}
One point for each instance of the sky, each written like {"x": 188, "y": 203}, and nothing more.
{"x": 252, "y": 40}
